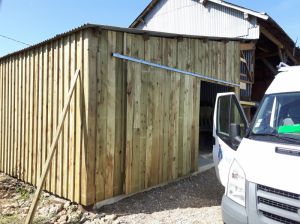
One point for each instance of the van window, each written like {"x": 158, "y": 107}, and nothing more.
{"x": 229, "y": 113}
{"x": 279, "y": 114}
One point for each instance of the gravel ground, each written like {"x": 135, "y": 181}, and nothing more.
{"x": 192, "y": 200}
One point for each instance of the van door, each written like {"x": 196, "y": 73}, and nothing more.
{"x": 227, "y": 111}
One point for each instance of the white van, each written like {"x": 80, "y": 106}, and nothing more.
{"x": 259, "y": 164}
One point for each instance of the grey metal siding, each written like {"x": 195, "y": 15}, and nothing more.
{"x": 192, "y": 18}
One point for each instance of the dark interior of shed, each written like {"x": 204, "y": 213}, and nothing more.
{"x": 207, "y": 102}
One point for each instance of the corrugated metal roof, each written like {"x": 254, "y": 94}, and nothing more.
{"x": 120, "y": 29}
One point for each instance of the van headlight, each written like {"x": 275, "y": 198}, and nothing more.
{"x": 236, "y": 186}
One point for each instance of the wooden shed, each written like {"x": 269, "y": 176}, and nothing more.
{"x": 133, "y": 121}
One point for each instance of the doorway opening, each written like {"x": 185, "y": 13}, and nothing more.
{"x": 208, "y": 95}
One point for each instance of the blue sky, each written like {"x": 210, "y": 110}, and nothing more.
{"x": 33, "y": 21}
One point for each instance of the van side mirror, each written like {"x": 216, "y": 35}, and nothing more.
{"x": 235, "y": 135}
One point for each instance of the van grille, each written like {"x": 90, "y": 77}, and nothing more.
{"x": 278, "y": 205}
{"x": 279, "y": 218}
{"x": 278, "y": 192}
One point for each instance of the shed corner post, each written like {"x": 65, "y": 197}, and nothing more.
{"x": 89, "y": 118}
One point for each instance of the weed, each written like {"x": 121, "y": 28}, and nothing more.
{"x": 23, "y": 192}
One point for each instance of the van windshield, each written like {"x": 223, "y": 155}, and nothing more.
{"x": 279, "y": 115}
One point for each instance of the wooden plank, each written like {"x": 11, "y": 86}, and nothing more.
{"x": 35, "y": 116}
{"x": 143, "y": 122}
{"x": 84, "y": 79}
{"x": 120, "y": 117}
{"x": 196, "y": 104}
{"x": 2, "y": 72}
{"x": 1, "y": 114}
{"x": 40, "y": 113}
{"x": 18, "y": 116}
{"x": 45, "y": 105}
{"x": 31, "y": 119}
{"x": 137, "y": 50}
{"x": 9, "y": 126}
{"x": 50, "y": 110}
{"x": 54, "y": 112}
{"x": 160, "y": 113}
{"x": 13, "y": 107}
{"x": 247, "y": 46}
{"x": 92, "y": 112}
{"x": 5, "y": 152}
{"x": 111, "y": 112}
{"x": 4, "y": 117}
{"x": 60, "y": 151}
{"x": 168, "y": 53}
{"x": 155, "y": 54}
{"x": 23, "y": 114}
{"x": 27, "y": 131}
{"x": 174, "y": 121}
{"x": 66, "y": 125}
{"x": 102, "y": 57}
{"x": 78, "y": 120}
{"x": 72, "y": 123}
{"x": 182, "y": 56}
{"x": 150, "y": 112}
{"x": 52, "y": 149}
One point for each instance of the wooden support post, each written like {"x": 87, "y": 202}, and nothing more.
{"x": 52, "y": 150}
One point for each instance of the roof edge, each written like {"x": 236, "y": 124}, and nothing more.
{"x": 121, "y": 29}
{"x": 153, "y": 3}
{"x": 261, "y": 15}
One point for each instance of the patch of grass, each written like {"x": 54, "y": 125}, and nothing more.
{"x": 23, "y": 192}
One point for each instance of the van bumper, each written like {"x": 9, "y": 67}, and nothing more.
{"x": 232, "y": 212}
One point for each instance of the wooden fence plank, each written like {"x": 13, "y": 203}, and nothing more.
{"x": 78, "y": 159}
{"x": 35, "y": 116}
{"x": 60, "y": 155}
{"x": 150, "y": 112}
{"x": 54, "y": 93}
{"x": 40, "y": 113}
{"x": 66, "y": 126}
{"x": 129, "y": 118}
{"x": 9, "y": 145}
{"x": 102, "y": 70}
{"x": 1, "y": 114}
{"x": 137, "y": 50}
{"x": 72, "y": 123}
{"x": 120, "y": 117}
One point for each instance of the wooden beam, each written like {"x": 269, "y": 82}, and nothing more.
{"x": 247, "y": 46}
{"x": 248, "y": 103}
{"x": 267, "y": 55}
{"x": 52, "y": 150}
{"x": 271, "y": 37}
